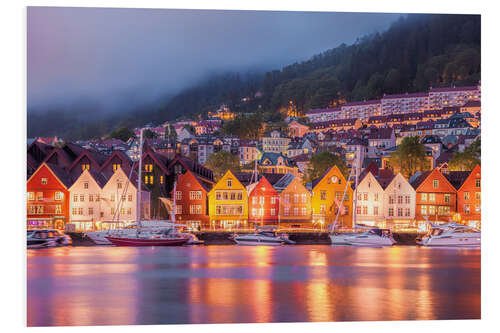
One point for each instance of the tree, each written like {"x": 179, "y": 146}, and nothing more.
{"x": 321, "y": 162}
{"x": 122, "y": 133}
{"x": 149, "y": 134}
{"x": 409, "y": 157}
{"x": 468, "y": 159}
{"x": 222, "y": 161}
{"x": 189, "y": 127}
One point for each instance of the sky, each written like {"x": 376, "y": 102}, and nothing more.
{"x": 114, "y": 58}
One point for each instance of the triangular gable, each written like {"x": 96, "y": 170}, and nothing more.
{"x": 201, "y": 184}
{"x": 296, "y": 182}
{"x": 59, "y": 154}
{"x": 433, "y": 174}
{"x": 122, "y": 156}
{"x": 399, "y": 177}
{"x": 83, "y": 175}
{"x": 120, "y": 173}
{"x": 155, "y": 158}
{"x": 263, "y": 183}
{"x": 44, "y": 165}
{"x": 333, "y": 171}
{"x": 221, "y": 183}
{"x": 370, "y": 178}
{"x": 472, "y": 174}
{"x": 82, "y": 155}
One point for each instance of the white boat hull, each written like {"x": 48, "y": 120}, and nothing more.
{"x": 371, "y": 241}
{"x": 256, "y": 241}
{"x": 464, "y": 240}
{"x": 340, "y": 239}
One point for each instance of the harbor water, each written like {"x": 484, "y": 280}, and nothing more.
{"x": 107, "y": 285}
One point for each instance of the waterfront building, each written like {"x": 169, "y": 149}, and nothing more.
{"x": 48, "y": 197}
{"x": 85, "y": 213}
{"x": 228, "y": 203}
{"x": 275, "y": 142}
{"x": 36, "y": 154}
{"x": 436, "y": 198}
{"x": 116, "y": 160}
{"x": 327, "y": 199}
{"x": 370, "y": 201}
{"x": 399, "y": 203}
{"x": 119, "y": 199}
{"x": 263, "y": 203}
{"x": 294, "y": 202}
{"x": 469, "y": 197}
{"x": 87, "y": 160}
{"x": 154, "y": 176}
{"x": 191, "y": 201}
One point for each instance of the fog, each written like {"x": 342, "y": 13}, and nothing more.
{"x": 113, "y": 59}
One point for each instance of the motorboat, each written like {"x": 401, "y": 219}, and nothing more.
{"x": 370, "y": 237}
{"x": 168, "y": 237}
{"x": 452, "y": 235}
{"x": 259, "y": 238}
{"x": 151, "y": 226}
{"x": 47, "y": 238}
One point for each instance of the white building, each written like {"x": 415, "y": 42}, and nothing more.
{"x": 275, "y": 142}
{"x": 405, "y": 103}
{"x": 362, "y": 110}
{"x": 119, "y": 198}
{"x": 370, "y": 201}
{"x": 321, "y": 115}
{"x": 399, "y": 203}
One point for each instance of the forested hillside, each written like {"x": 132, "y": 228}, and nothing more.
{"x": 416, "y": 52}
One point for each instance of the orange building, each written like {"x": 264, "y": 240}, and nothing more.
{"x": 327, "y": 196}
{"x": 191, "y": 201}
{"x": 436, "y": 198}
{"x": 263, "y": 204}
{"x": 469, "y": 199}
{"x": 48, "y": 197}
{"x": 294, "y": 202}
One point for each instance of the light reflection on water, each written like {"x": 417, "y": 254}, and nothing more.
{"x": 224, "y": 284}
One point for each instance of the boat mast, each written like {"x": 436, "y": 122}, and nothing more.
{"x": 355, "y": 199}
{"x": 174, "y": 205}
{"x": 139, "y": 182}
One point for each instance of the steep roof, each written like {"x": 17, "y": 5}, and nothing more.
{"x": 420, "y": 179}
{"x": 457, "y": 178}
{"x": 62, "y": 175}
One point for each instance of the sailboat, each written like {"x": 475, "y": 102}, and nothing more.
{"x": 168, "y": 237}
{"x": 372, "y": 236}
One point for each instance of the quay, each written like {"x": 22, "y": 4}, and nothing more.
{"x": 224, "y": 238}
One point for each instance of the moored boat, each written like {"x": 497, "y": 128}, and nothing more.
{"x": 452, "y": 235}
{"x": 46, "y": 238}
{"x": 168, "y": 237}
{"x": 269, "y": 238}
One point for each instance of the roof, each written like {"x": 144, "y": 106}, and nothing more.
{"x": 472, "y": 104}
{"x": 325, "y": 110}
{"x": 420, "y": 179}
{"x": 100, "y": 179}
{"x": 273, "y": 157}
{"x": 284, "y": 181}
{"x": 383, "y": 133}
{"x": 245, "y": 178}
{"x": 457, "y": 178}
{"x": 301, "y": 158}
{"x": 62, "y": 175}
{"x": 407, "y": 95}
{"x": 450, "y": 89}
{"x": 370, "y": 102}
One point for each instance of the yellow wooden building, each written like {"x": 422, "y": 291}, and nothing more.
{"x": 327, "y": 194}
{"x": 228, "y": 204}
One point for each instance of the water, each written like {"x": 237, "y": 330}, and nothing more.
{"x": 236, "y": 284}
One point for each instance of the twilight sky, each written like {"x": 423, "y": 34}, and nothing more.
{"x": 120, "y": 57}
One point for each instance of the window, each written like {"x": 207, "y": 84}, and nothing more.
{"x": 391, "y": 200}
{"x": 44, "y": 181}
{"x": 148, "y": 167}
{"x": 478, "y": 183}
{"x": 195, "y": 195}
{"x": 447, "y": 197}
{"x": 97, "y": 197}
{"x": 365, "y": 196}
{"x": 407, "y": 199}
{"x": 254, "y": 200}
{"x": 80, "y": 210}
{"x": 82, "y": 197}
{"x": 274, "y": 200}
{"x": 178, "y": 209}
{"x": 178, "y": 195}
{"x": 400, "y": 199}
{"x": 346, "y": 197}
{"x": 287, "y": 197}
{"x": 217, "y": 195}
{"x": 229, "y": 182}
{"x": 86, "y": 185}
{"x": 113, "y": 210}
{"x": 85, "y": 166}
{"x": 423, "y": 210}
{"x": 478, "y": 208}
{"x": 423, "y": 197}
{"x": 58, "y": 196}
{"x": 400, "y": 211}
{"x": 129, "y": 211}
{"x": 39, "y": 196}
{"x": 365, "y": 210}
{"x": 358, "y": 210}
{"x": 432, "y": 197}
{"x": 375, "y": 197}
{"x": 225, "y": 195}
{"x": 466, "y": 208}
{"x": 295, "y": 211}
{"x": 195, "y": 209}
{"x": 161, "y": 179}
{"x": 391, "y": 211}
{"x": 31, "y": 195}
{"x": 58, "y": 209}
{"x": 124, "y": 197}
{"x": 240, "y": 195}
{"x": 273, "y": 211}
{"x": 296, "y": 198}
{"x": 338, "y": 196}
{"x": 322, "y": 209}
{"x": 360, "y": 196}
{"x": 232, "y": 196}
{"x": 74, "y": 211}
{"x": 407, "y": 211}
{"x": 478, "y": 195}
{"x": 119, "y": 185}
{"x": 112, "y": 197}
{"x": 466, "y": 195}
{"x": 254, "y": 211}
{"x": 375, "y": 210}
{"x": 91, "y": 211}
{"x": 323, "y": 195}
{"x": 261, "y": 200}
{"x": 303, "y": 211}
{"x": 435, "y": 183}
{"x": 91, "y": 197}
{"x": 116, "y": 166}
{"x": 304, "y": 197}
{"x": 286, "y": 211}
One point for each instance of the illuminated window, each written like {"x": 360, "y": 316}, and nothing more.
{"x": 44, "y": 181}
{"x": 97, "y": 197}
{"x": 91, "y": 197}
{"x": 273, "y": 211}
{"x": 130, "y": 197}
{"x": 82, "y": 197}
{"x": 261, "y": 200}
{"x": 295, "y": 211}
{"x": 178, "y": 195}
{"x": 39, "y": 196}
{"x": 161, "y": 179}
{"x": 478, "y": 182}
{"x": 447, "y": 198}
{"x": 478, "y": 195}
{"x": 85, "y": 166}
{"x": 303, "y": 195}
{"x": 116, "y": 166}
{"x": 286, "y": 211}
{"x": 31, "y": 195}
{"x": 178, "y": 209}
{"x": 423, "y": 197}
{"x": 432, "y": 197}
{"x": 74, "y": 211}
{"x": 148, "y": 167}
{"x": 466, "y": 208}
{"x": 122, "y": 211}
{"x": 129, "y": 211}
{"x": 58, "y": 196}
{"x": 58, "y": 209}
{"x": 435, "y": 183}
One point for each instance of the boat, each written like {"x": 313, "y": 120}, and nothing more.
{"x": 259, "y": 238}
{"x": 47, "y": 238}
{"x": 99, "y": 237}
{"x": 372, "y": 237}
{"x": 169, "y": 237}
{"x": 452, "y": 235}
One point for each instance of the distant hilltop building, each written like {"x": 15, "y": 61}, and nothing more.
{"x": 223, "y": 113}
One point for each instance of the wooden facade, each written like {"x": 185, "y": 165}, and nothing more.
{"x": 263, "y": 204}
{"x": 191, "y": 201}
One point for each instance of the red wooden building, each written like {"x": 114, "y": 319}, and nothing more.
{"x": 191, "y": 201}
{"x": 263, "y": 204}
{"x": 48, "y": 197}
{"x": 469, "y": 199}
{"x": 436, "y": 197}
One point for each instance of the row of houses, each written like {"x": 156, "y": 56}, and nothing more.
{"x": 434, "y": 99}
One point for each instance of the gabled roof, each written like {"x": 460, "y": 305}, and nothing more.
{"x": 93, "y": 156}
{"x": 383, "y": 133}
{"x": 283, "y": 182}
{"x": 159, "y": 159}
{"x": 273, "y": 158}
{"x": 121, "y": 155}
{"x": 420, "y": 179}
{"x": 457, "y": 178}
{"x": 66, "y": 158}
{"x": 318, "y": 180}
{"x": 62, "y": 175}
{"x": 188, "y": 164}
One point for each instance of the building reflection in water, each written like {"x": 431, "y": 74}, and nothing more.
{"x": 232, "y": 284}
